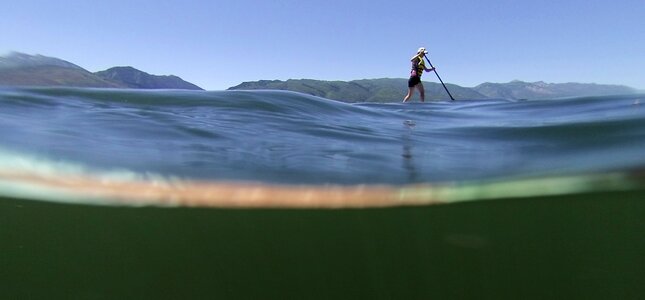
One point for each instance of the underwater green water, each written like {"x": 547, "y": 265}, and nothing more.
{"x": 582, "y": 246}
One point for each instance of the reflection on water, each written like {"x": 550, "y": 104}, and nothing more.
{"x": 407, "y": 153}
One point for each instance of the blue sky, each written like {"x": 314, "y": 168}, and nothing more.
{"x": 218, "y": 44}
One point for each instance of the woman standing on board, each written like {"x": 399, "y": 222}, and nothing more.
{"x": 418, "y": 66}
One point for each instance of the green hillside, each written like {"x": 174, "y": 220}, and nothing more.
{"x": 366, "y": 90}
{"x": 394, "y": 89}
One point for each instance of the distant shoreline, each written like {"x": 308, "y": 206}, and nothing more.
{"x": 19, "y": 69}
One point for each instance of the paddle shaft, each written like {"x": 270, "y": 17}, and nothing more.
{"x": 435, "y": 71}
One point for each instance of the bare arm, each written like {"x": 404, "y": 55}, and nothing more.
{"x": 430, "y": 70}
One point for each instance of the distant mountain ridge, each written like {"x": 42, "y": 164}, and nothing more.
{"x": 21, "y": 60}
{"x": 394, "y": 89}
{"x": 540, "y": 90}
{"x": 137, "y": 79}
{"x": 365, "y": 90}
{"x": 19, "y": 69}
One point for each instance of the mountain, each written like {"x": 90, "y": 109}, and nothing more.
{"x": 52, "y": 76}
{"x": 540, "y": 90}
{"x": 394, "y": 89}
{"x": 36, "y": 70}
{"x": 365, "y": 90}
{"x": 133, "y": 78}
{"x": 20, "y": 60}
{"x": 19, "y": 69}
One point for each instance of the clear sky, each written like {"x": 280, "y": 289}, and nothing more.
{"x": 218, "y": 44}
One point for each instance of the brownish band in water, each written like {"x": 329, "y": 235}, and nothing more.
{"x": 225, "y": 194}
{"x": 91, "y": 189}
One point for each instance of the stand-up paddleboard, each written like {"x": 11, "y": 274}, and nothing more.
{"x": 108, "y": 189}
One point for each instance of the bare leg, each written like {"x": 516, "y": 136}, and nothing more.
{"x": 422, "y": 91}
{"x": 407, "y": 97}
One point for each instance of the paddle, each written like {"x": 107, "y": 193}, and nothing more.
{"x": 435, "y": 71}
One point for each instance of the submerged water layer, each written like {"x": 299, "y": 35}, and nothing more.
{"x": 572, "y": 246}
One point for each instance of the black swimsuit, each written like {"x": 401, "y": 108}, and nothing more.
{"x": 414, "y": 80}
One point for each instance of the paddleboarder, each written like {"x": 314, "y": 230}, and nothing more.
{"x": 418, "y": 66}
